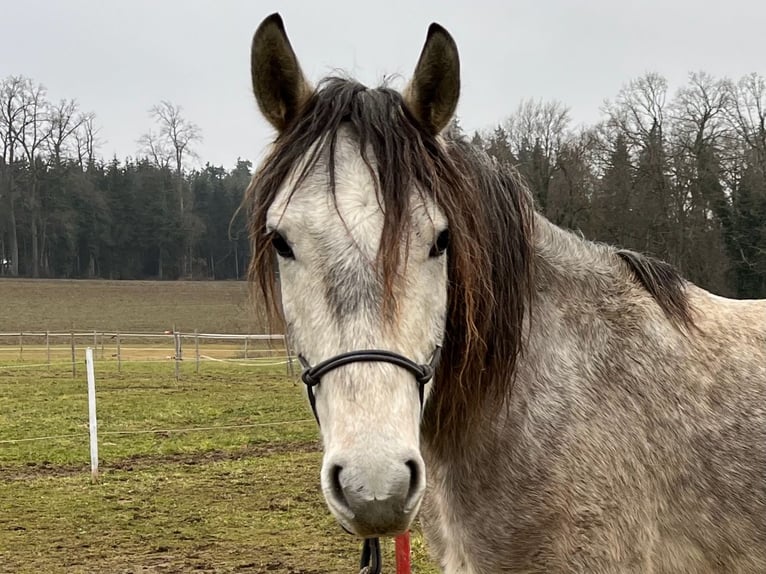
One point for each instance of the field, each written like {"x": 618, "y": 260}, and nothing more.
{"x": 61, "y": 305}
{"x": 215, "y": 472}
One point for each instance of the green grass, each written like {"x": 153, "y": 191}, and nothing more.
{"x": 40, "y": 403}
{"x": 226, "y": 500}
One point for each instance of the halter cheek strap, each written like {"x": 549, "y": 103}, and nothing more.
{"x": 312, "y": 376}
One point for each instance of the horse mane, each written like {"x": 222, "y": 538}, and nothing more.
{"x": 662, "y": 282}
{"x": 490, "y": 217}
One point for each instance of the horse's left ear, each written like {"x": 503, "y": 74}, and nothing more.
{"x": 433, "y": 92}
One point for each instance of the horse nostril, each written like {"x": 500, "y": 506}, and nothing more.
{"x": 414, "y": 477}
{"x": 335, "y": 482}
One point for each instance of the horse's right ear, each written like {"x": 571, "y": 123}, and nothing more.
{"x": 278, "y": 82}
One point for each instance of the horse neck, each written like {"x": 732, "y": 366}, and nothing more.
{"x": 567, "y": 265}
{"x": 571, "y": 277}
{"x": 579, "y": 290}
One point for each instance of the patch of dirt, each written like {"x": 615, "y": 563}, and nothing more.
{"x": 43, "y": 469}
{"x": 181, "y": 565}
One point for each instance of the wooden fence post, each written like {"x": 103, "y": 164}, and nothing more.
{"x": 119, "y": 354}
{"x": 21, "y": 346}
{"x": 74, "y": 359}
{"x": 196, "y": 350}
{"x": 246, "y": 339}
{"x": 178, "y": 349}
{"x": 48, "y": 346}
{"x": 290, "y": 369}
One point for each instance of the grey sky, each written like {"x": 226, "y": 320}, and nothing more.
{"x": 119, "y": 58}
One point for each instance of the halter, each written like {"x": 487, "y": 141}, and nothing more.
{"x": 312, "y": 376}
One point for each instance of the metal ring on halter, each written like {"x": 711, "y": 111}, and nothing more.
{"x": 312, "y": 376}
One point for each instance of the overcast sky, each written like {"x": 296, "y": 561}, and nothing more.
{"x": 119, "y": 58}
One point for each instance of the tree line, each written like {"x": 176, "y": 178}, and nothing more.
{"x": 681, "y": 176}
{"x": 66, "y": 212}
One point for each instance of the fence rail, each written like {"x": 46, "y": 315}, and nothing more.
{"x": 48, "y": 342}
{"x": 165, "y": 334}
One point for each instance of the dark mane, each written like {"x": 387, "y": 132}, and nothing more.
{"x": 490, "y": 217}
{"x": 663, "y": 282}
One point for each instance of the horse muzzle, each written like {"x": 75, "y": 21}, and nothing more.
{"x": 372, "y": 492}
{"x": 377, "y": 498}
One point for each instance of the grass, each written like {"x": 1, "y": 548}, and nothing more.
{"x": 147, "y": 397}
{"x": 228, "y": 500}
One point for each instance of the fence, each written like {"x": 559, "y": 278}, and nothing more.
{"x": 41, "y": 350}
{"x": 50, "y": 348}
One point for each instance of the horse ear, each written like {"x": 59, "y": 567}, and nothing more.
{"x": 433, "y": 92}
{"x": 278, "y": 82}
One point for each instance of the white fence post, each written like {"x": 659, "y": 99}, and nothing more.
{"x": 92, "y": 415}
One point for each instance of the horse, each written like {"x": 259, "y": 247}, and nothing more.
{"x": 588, "y": 410}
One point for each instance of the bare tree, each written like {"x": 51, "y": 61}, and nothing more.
{"x": 176, "y": 136}
{"x": 86, "y": 140}
{"x": 747, "y": 114}
{"x": 173, "y": 143}
{"x": 544, "y": 124}
{"x": 696, "y": 144}
{"x": 698, "y": 110}
{"x": 35, "y": 134}
{"x": 639, "y": 109}
{"x": 698, "y": 132}
{"x": 638, "y": 114}
{"x": 536, "y": 133}
{"x": 155, "y": 148}
{"x": 26, "y": 129}
{"x": 65, "y": 119}
{"x": 12, "y": 92}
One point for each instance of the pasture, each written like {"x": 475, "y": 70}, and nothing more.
{"x": 216, "y": 472}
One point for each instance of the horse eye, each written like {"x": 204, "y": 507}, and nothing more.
{"x": 281, "y": 246}
{"x": 442, "y": 241}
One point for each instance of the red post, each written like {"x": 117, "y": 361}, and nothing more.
{"x": 403, "y": 554}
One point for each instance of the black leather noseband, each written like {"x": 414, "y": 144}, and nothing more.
{"x": 312, "y": 376}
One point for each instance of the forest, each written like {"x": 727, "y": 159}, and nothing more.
{"x": 680, "y": 175}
